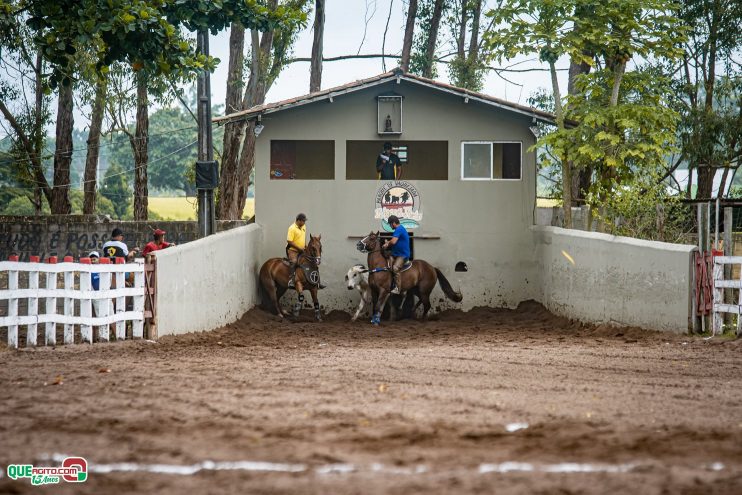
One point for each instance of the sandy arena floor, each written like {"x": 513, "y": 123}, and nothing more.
{"x": 408, "y": 408}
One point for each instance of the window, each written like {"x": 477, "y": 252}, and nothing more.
{"x": 486, "y": 160}
{"x": 302, "y": 160}
{"x": 389, "y": 114}
{"x": 421, "y": 160}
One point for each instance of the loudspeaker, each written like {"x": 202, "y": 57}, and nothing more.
{"x": 207, "y": 175}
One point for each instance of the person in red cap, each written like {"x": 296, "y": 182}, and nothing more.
{"x": 158, "y": 243}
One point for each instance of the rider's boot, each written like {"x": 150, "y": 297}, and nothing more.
{"x": 397, "y": 283}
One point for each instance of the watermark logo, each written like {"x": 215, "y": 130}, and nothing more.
{"x": 399, "y": 198}
{"x": 72, "y": 470}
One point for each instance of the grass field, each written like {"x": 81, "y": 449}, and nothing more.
{"x": 185, "y": 208}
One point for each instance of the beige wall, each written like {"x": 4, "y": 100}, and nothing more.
{"x": 483, "y": 223}
{"x": 208, "y": 283}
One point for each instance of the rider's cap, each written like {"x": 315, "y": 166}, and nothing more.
{"x": 392, "y": 219}
{"x": 94, "y": 254}
{"x": 159, "y": 232}
{"x": 301, "y": 216}
{"x": 116, "y": 232}
{"x": 387, "y": 145}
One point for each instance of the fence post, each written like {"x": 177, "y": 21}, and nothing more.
{"x": 718, "y": 297}
{"x": 51, "y": 305}
{"x": 138, "y": 325}
{"x": 104, "y": 305}
{"x": 86, "y": 304}
{"x": 33, "y": 302}
{"x": 69, "y": 303}
{"x": 13, "y": 305}
{"x": 728, "y": 251}
{"x": 120, "y": 301}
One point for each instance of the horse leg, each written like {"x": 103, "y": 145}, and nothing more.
{"x": 383, "y": 296}
{"x": 425, "y": 300}
{"x": 317, "y": 314}
{"x": 275, "y": 294}
{"x": 300, "y": 302}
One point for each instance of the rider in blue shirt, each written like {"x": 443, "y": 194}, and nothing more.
{"x": 400, "y": 243}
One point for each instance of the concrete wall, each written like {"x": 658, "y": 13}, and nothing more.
{"x": 616, "y": 280}
{"x": 77, "y": 235}
{"x": 483, "y": 223}
{"x": 208, "y": 283}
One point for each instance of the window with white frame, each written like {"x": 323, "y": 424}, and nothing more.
{"x": 491, "y": 160}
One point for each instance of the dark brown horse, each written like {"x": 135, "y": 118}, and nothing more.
{"x": 419, "y": 279}
{"x": 275, "y": 273}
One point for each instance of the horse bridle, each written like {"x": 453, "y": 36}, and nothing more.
{"x": 313, "y": 259}
{"x": 362, "y": 247}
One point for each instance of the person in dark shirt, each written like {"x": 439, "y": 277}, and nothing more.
{"x": 388, "y": 165}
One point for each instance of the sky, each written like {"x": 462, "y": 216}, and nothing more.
{"x": 345, "y": 22}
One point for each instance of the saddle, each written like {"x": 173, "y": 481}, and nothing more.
{"x": 311, "y": 274}
{"x": 405, "y": 267}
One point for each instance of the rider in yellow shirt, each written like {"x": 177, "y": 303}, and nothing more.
{"x": 296, "y": 240}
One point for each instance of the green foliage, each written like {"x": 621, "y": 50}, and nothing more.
{"x": 418, "y": 59}
{"x": 144, "y": 33}
{"x": 21, "y": 205}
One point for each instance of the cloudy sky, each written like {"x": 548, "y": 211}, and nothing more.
{"x": 345, "y": 23}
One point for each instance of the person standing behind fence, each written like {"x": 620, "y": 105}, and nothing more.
{"x": 116, "y": 248}
{"x": 158, "y": 243}
{"x": 95, "y": 281}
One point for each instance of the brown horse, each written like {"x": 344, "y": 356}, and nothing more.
{"x": 275, "y": 273}
{"x": 419, "y": 279}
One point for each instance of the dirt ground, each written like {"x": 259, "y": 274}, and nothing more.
{"x": 411, "y": 407}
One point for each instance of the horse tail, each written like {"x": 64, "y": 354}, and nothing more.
{"x": 447, "y": 289}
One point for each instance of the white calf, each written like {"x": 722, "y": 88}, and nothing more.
{"x": 357, "y": 278}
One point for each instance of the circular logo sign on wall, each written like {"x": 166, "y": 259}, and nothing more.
{"x": 398, "y": 198}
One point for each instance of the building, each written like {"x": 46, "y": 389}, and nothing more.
{"x": 467, "y": 189}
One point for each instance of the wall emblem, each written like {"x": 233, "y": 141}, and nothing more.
{"x": 398, "y": 198}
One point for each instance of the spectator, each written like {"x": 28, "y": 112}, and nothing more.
{"x": 158, "y": 243}
{"x": 116, "y": 248}
{"x": 95, "y": 279}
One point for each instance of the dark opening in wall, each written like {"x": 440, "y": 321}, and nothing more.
{"x": 461, "y": 267}
{"x": 420, "y": 160}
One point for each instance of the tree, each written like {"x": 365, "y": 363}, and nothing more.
{"x": 408, "y": 36}
{"x": 467, "y": 68}
{"x": 269, "y": 55}
{"x": 429, "y": 20}
{"x": 315, "y": 73}
{"x": 60, "y": 204}
{"x": 709, "y": 79}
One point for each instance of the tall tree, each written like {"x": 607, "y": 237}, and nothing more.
{"x": 270, "y": 52}
{"x": 60, "y": 204}
{"x": 93, "y": 143}
{"x": 409, "y": 32}
{"x": 315, "y": 74}
{"x": 467, "y": 68}
{"x": 139, "y": 145}
{"x": 709, "y": 79}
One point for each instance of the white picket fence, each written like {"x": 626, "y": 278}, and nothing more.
{"x": 78, "y": 295}
{"x": 720, "y": 283}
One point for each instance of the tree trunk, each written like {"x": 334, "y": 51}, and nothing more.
{"x": 582, "y": 178}
{"x": 233, "y": 131}
{"x": 91, "y": 160}
{"x": 461, "y": 41}
{"x": 60, "y": 204}
{"x": 139, "y": 144}
{"x": 566, "y": 167}
{"x": 404, "y": 63}
{"x": 474, "y": 43}
{"x": 315, "y": 76}
{"x": 705, "y": 181}
{"x": 432, "y": 40}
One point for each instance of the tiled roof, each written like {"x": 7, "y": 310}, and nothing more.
{"x": 380, "y": 79}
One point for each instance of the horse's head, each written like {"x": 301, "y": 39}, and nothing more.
{"x": 313, "y": 250}
{"x": 369, "y": 243}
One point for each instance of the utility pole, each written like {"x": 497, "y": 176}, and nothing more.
{"x": 207, "y": 170}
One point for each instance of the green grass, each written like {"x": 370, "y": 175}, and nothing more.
{"x": 185, "y": 208}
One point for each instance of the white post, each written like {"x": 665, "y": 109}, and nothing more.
{"x": 718, "y": 298}
{"x": 86, "y": 304}
{"x": 51, "y": 305}
{"x": 120, "y": 305}
{"x": 69, "y": 303}
{"x": 105, "y": 304}
{"x": 13, "y": 307}
{"x": 138, "y": 325}
{"x": 33, "y": 302}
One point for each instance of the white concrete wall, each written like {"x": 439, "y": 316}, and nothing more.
{"x": 616, "y": 280}
{"x": 208, "y": 283}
